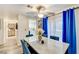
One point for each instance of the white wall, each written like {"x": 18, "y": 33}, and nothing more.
{"x": 23, "y": 27}
{"x": 1, "y": 31}
{"x": 4, "y": 27}
{"x": 77, "y": 28}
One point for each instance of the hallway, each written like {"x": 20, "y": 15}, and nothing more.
{"x": 10, "y": 47}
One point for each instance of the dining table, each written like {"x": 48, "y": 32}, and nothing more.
{"x": 49, "y": 46}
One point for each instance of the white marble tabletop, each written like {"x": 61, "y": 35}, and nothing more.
{"x": 50, "y": 46}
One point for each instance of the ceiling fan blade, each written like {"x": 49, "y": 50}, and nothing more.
{"x": 49, "y": 13}
{"x": 29, "y": 6}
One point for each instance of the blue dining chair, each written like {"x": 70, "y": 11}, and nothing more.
{"x": 29, "y": 35}
{"x": 44, "y": 35}
{"x": 54, "y": 37}
{"x": 25, "y": 47}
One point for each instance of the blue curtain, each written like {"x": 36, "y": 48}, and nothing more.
{"x": 45, "y": 24}
{"x": 69, "y": 30}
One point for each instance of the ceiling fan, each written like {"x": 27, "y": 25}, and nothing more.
{"x": 37, "y": 7}
{"x": 40, "y": 8}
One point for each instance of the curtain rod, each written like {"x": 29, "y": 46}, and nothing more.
{"x": 62, "y": 12}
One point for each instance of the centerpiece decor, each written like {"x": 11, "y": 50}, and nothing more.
{"x": 39, "y": 23}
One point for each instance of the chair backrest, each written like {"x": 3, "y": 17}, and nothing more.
{"x": 54, "y": 37}
{"x": 44, "y": 35}
{"x": 29, "y": 32}
{"x": 25, "y": 48}
{"x": 29, "y": 35}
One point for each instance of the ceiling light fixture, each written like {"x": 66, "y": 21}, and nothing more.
{"x": 39, "y": 9}
{"x": 40, "y": 15}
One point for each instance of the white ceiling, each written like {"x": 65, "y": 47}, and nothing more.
{"x": 16, "y": 9}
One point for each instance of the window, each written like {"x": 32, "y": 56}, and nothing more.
{"x": 56, "y": 26}
{"x": 32, "y": 26}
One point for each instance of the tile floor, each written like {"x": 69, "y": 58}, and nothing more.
{"x": 10, "y": 47}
